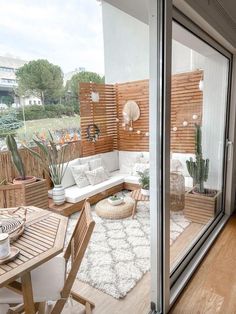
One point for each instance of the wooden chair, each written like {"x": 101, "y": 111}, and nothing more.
{"x": 75, "y": 252}
{"x": 53, "y": 273}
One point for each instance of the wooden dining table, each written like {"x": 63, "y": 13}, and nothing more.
{"x": 43, "y": 238}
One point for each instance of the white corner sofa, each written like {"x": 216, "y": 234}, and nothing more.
{"x": 120, "y": 165}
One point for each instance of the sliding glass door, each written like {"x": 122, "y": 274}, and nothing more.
{"x": 197, "y": 139}
{"x": 189, "y": 111}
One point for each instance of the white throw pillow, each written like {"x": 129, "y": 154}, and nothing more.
{"x": 139, "y": 167}
{"x": 79, "y": 174}
{"x": 96, "y": 176}
{"x": 97, "y": 163}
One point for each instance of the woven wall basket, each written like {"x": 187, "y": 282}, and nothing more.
{"x": 12, "y": 221}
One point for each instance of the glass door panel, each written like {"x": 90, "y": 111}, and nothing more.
{"x": 197, "y": 141}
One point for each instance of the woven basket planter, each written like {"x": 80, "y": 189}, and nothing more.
{"x": 32, "y": 194}
{"x": 201, "y": 208}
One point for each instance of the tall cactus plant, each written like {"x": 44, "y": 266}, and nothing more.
{"x": 15, "y": 156}
{"x": 199, "y": 168}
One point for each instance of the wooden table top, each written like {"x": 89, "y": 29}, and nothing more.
{"x": 43, "y": 238}
{"x": 138, "y": 196}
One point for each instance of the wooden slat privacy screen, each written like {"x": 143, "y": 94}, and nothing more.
{"x": 186, "y": 102}
{"x": 139, "y": 92}
{"x": 102, "y": 113}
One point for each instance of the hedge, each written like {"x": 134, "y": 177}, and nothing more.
{"x": 35, "y": 112}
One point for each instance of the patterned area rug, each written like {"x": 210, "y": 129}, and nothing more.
{"x": 118, "y": 254}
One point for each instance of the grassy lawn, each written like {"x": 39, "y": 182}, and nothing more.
{"x": 42, "y": 126}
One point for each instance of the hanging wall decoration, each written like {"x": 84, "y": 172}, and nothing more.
{"x": 92, "y": 132}
{"x": 131, "y": 113}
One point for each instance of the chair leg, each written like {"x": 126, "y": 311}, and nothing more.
{"x": 87, "y": 303}
{"x": 41, "y": 309}
{"x": 58, "y": 307}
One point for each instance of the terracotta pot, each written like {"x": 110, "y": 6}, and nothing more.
{"x": 28, "y": 179}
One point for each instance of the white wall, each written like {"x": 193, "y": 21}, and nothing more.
{"x": 126, "y": 46}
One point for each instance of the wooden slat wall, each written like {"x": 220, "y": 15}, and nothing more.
{"x": 102, "y": 113}
{"x": 139, "y": 92}
{"x": 186, "y": 100}
{"x": 32, "y": 166}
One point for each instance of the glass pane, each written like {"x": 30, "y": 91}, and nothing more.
{"x": 198, "y": 111}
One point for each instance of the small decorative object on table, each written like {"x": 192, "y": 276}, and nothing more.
{"x": 144, "y": 181}
{"x": 115, "y": 200}
{"x": 52, "y": 159}
{"x": 12, "y": 226}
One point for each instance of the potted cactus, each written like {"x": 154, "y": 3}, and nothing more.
{"x": 200, "y": 202}
{"x": 17, "y": 161}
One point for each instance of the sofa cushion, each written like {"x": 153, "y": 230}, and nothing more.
{"x": 128, "y": 159}
{"x": 86, "y": 160}
{"x": 75, "y": 194}
{"x": 68, "y": 179}
{"x": 96, "y": 176}
{"x": 96, "y": 163}
{"x": 131, "y": 179}
{"x": 79, "y": 174}
{"x": 111, "y": 160}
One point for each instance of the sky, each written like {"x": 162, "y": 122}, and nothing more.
{"x": 65, "y": 32}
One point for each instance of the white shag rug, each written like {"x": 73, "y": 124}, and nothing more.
{"x": 118, "y": 254}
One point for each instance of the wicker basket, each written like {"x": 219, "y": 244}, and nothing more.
{"x": 12, "y": 221}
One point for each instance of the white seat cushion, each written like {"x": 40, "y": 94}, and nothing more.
{"x": 111, "y": 160}
{"x": 47, "y": 280}
{"x": 131, "y": 179}
{"x": 4, "y": 308}
{"x": 75, "y": 194}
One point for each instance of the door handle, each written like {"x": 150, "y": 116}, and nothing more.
{"x": 229, "y": 147}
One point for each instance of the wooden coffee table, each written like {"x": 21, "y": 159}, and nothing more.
{"x": 138, "y": 196}
{"x": 105, "y": 210}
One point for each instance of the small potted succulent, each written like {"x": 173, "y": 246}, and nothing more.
{"x": 17, "y": 161}
{"x": 144, "y": 180}
{"x": 115, "y": 200}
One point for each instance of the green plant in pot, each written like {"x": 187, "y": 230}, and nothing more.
{"x": 144, "y": 181}
{"x": 199, "y": 169}
{"x": 51, "y": 156}
{"x": 18, "y": 162}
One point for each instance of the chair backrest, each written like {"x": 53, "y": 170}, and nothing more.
{"x": 77, "y": 246}
{"x": 11, "y": 195}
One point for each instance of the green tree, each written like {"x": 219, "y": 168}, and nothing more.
{"x": 72, "y": 86}
{"x": 42, "y": 79}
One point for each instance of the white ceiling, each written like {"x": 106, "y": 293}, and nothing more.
{"x": 218, "y": 14}
{"x": 135, "y": 8}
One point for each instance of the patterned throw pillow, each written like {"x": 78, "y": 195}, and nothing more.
{"x": 96, "y": 176}
{"x": 79, "y": 174}
{"x": 97, "y": 163}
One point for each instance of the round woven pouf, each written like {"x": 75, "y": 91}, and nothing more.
{"x": 105, "y": 210}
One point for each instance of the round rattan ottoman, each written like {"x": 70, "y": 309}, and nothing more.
{"x": 105, "y": 210}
